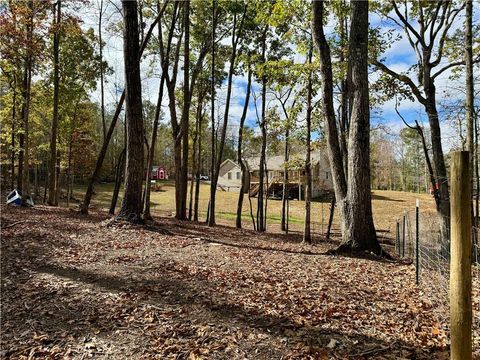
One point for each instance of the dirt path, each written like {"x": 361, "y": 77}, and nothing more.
{"x": 73, "y": 287}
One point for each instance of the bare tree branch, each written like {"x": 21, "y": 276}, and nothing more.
{"x": 402, "y": 78}
{"x": 448, "y": 25}
{"x": 408, "y": 25}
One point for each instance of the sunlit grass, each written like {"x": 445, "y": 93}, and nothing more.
{"x": 388, "y": 206}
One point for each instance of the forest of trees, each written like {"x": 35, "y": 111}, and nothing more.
{"x": 203, "y": 81}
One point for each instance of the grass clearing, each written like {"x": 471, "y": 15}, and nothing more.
{"x": 388, "y": 206}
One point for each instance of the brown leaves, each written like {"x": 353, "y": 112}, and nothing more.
{"x": 90, "y": 290}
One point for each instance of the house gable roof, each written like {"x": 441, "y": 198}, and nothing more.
{"x": 226, "y": 166}
{"x": 276, "y": 163}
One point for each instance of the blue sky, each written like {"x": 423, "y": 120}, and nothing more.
{"x": 399, "y": 57}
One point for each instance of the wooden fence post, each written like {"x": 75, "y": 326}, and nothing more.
{"x": 460, "y": 259}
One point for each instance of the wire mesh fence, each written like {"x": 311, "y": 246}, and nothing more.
{"x": 419, "y": 237}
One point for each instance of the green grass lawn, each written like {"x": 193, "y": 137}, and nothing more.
{"x": 388, "y": 206}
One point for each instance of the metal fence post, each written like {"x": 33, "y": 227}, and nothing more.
{"x": 460, "y": 258}
{"x": 398, "y": 238}
{"x": 417, "y": 240}
{"x": 404, "y": 230}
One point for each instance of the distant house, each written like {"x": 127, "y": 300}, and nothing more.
{"x": 159, "y": 173}
{"x": 230, "y": 175}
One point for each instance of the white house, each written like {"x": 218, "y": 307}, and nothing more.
{"x": 230, "y": 176}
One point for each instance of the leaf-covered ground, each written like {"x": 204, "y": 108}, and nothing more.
{"x": 76, "y": 287}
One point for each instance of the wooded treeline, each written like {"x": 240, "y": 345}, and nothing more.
{"x": 235, "y": 79}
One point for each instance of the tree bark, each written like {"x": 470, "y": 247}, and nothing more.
{"x": 307, "y": 237}
{"x": 469, "y": 101}
{"x": 195, "y": 157}
{"x": 23, "y": 177}
{"x": 285, "y": 190}
{"x": 185, "y": 112}
{"x": 52, "y": 185}
{"x": 333, "y": 146}
{"x": 211, "y": 214}
{"x": 436, "y": 26}
{"x": 286, "y": 155}
{"x": 12, "y": 144}
{"x": 118, "y": 181}
{"x": 201, "y": 94}
{"x": 45, "y": 185}
{"x": 164, "y": 58}
{"x": 102, "y": 71}
{"x": 69, "y": 170}
{"x": 354, "y": 200}
{"x": 151, "y": 152}
{"x": 330, "y": 218}
{"x": 244, "y": 188}
{"x": 233, "y": 56}
{"x": 360, "y": 233}
{"x": 345, "y": 98}
{"x": 263, "y": 128}
{"x": 57, "y": 175}
{"x": 477, "y": 173}
{"x": 103, "y": 151}
{"x": 132, "y": 199}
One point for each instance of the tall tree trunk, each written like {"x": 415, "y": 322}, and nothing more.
{"x": 345, "y": 97}
{"x": 101, "y": 156}
{"x": 307, "y": 237}
{"x": 286, "y": 156}
{"x": 69, "y": 170}
{"x": 12, "y": 144}
{"x": 285, "y": 190}
{"x": 437, "y": 23}
{"x": 245, "y": 174}
{"x": 195, "y": 163}
{"x": 201, "y": 94}
{"x": 185, "y": 112}
{"x": 24, "y": 162}
{"x": 151, "y": 153}
{"x": 210, "y": 213}
{"x": 45, "y": 185}
{"x": 118, "y": 181}
{"x": 354, "y": 201}
{"x": 23, "y": 177}
{"x": 233, "y": 56}
{"x": 263, "y": 128}
{"x": 35, "y": 181}
{"x": 132, "y": 199}
{"x": 102, "y": 71}
{"x": 443, "y": 196}
{"x": 360, "y": 231}
{"x": 103, "y": 151}
{"x": 330, "y": 218}
{"x": 469, "y": 87}
{"x": 57, "y": 175}
{"x": 52, "y": 185}
{"x": 477, "y": 173}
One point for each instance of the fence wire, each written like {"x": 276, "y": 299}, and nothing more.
{"x": 433, "y": 265}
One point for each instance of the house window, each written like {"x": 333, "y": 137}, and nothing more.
{"x": 326, "y": 175}
{"x": 238, "y": 175}
{"x": 229, "y": 176}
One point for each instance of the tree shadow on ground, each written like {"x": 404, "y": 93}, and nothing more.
{"x": 175, "y": 292}
{"x": 74, "y": 304}
{"x": 197, "y": 229}
{"x": 385, "y": 198}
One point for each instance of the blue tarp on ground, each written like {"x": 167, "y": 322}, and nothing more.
{"x": 15, "y": 198}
